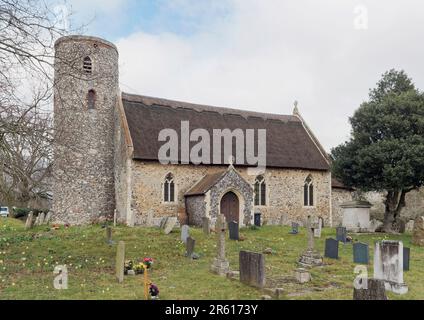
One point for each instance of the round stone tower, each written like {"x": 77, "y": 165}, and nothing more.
{"x": 85, "y": 97}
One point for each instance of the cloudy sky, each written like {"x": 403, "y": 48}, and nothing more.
{"x": 262, "y": 55}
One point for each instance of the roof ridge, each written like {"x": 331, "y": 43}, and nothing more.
{"x": 148, "y": 100}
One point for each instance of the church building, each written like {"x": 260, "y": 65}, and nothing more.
{"x": 107, "y": 154}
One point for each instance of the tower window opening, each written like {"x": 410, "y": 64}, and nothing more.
{"x": 87, "y": 65}
{"x": 91, "y": 99}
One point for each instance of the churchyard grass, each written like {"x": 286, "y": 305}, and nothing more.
{"x": 27, "y": 260}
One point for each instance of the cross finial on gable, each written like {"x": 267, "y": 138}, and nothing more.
{"x": 296, "y": 110}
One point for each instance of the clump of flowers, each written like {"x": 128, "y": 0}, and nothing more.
{"x": 148, "y": 262}
{"x": 139, "y": 268}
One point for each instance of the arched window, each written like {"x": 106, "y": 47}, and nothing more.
{"x": 87, "y": 65}
{"x": 260, "y": 191}
{"x": 91, "y": 99}
{"x": 308, "y": 192}
{"x": 169, "y": 188}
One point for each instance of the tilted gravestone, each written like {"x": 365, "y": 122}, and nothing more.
{"x": 185, "y": 233}
{"x": 170, "y": 224}
{"x": 361, "y": 253}
{"x": 120, "y": 261}
{"x": 252, "y": 268}
{"x": 374, "y": 290}
{"x": 41, "y": 217}
{"x": 388, "y": 265}
{"x": 406, "y": 258}
{"x": 48, "y": 217}
{"x": 234, "y": 230}
{"x": 331, "y": 248}
{"x": 341, "y": 234}
{"x": 190, "y": 244}
{"x": 28, "y": 223}
{"x": 163, "y": 222}
{"x": 295, "y": 228}
{"x": 206, "y": 225}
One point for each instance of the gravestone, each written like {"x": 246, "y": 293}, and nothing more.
{"x": 220, "y": 264}
{"x": 120, "y": 261}
{"x": 388, "y": 265}
{"x": 257, "y": 219}
{"x": 318, "y": 229}
{"x": 163, "y": 222}
{"x": 41, "y": 217}
{"x": 375, "y": 291}
{"x": 48, "y": 217}
{"x": 252, "y": 268}
{"x": 185, "y": 233}
{"x": 310, "y": 257}
{"x": 406, "y": 258}
{"x": 341, "y": 234}
{"x": 190, "y": 247}
{"x": 109, "y": 235}
{"x": 331, "y": 248}
{"x": 409, "y": 227}
{"x": 28, "y": 223}
{"x": 302, "y": 275}
{"x": 234, "y": 230}
{"x": 361, "y": 253}
{"x": 206, "y": 224}
{"x": 169, "y": 225}
{"x": 418, "y": 232}
{"x": 295, "y": 228}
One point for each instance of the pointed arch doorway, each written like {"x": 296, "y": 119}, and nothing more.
{"x": 230, "y": 207}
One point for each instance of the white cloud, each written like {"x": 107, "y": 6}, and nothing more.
{"x": 267, "y": 54}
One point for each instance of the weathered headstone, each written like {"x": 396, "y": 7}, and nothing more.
{"x": 341, "y": 234}
{"x": 302, "y": 275}
{"x": 190, "y": 247}
{"x": 331, "y": 248}
{"x": 406, "y": 258}
{"x": 295, "y": 228}
{"x": 109, "y": 235}
{"x": 48, "y": 217}
{"x": 169, "y": 225}
{"x": 41, "y": 217}
{"x": 163, "y": 222}
{"x": 388, "y": 265}
{"x": 375, "y": 290}
{"x": 257, "y": 219}
{"x": 252, "y": 268}
{"x": 361, "y": 253}
{"x": 185, "y": 233}
{"x": 234, "y": 230}
{"x": 318, "y": 229}
{"x": 206, "y": 224}
{"x": 418, "y": 233}
{"x": 28, "y": 223}
{"x": 220, "y": 264}
{"x": 310, "y": 257}
{"x": 120, "y": 261}
{"x": 409, "y": 227}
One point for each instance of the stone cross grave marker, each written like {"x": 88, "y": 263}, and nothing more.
{"x": 317, "y": 231}
{"x": 120, "y": 261}
{"x": 310, "y": 257}
{"x": 295, "y": 228}
{"x": 169, "y": 225}
{"x": 406, "y": 258}
{"x": 361, "y": 253}
{"x": 220, "y": 264}
{"x": 375, "y": 291}
{"x": 206, "y": 224}
{"x": 185, "y": 233}
{"x": 234, "y": 230}
{"x": 28, "y": 223}
{"x": 190, "y": 246}
{"x": 341, "y": 234}
{"x": 252, "y": 268}
{"x": 331, "y": 248}
{"x": 388, "y": 265}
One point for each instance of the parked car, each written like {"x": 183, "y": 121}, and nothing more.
{"x": 4, "y": 212}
